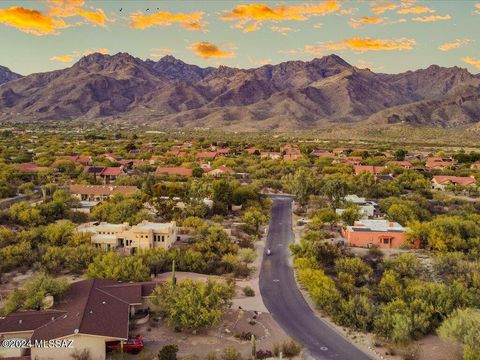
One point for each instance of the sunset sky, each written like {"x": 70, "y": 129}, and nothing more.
{"x": 385, "y": 36}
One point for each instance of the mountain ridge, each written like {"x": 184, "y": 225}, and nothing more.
{"x": 291, "y": 95}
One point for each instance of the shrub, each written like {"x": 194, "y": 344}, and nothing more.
{"x": 168, "y": 352}
{"x": 248, "y": 291}
{"x": 289, "y": 348}
{"x": 230, "y": 353}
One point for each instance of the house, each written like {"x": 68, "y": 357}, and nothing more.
{"x": 290, "y": 150}
{"x": 401, "y": 163}
{"x": 177, "y": 170}
{"x": 106, "y": 173}
{"x": 368, "y": 168}
{"x": 382, "y": 233}
{"x": 341, "y": 151}
{"x": 475, "y": 166}
{"x": 223, "y": 151}
{"x": 130, "y": 239}
{"x": 210, "y": 155}
{"x": 89, "y": 314}
{"x": 84, "y": 160}
{"x": 252, "y": 150}
{"x": 221, "y": 170}
{"x": 322, "y": 153}
{"x": 435, "y": 162}
{"x": 440, "y": 182}
{"x": 110, "y": 157}
{"x": 31, "y": 168}
{"x": 292, "y": 157}
{"x": 99, "y": 192}
{"x": 366, "y": 208}
{"x": 350, "y": 160}
{"x": 270, "y": 154}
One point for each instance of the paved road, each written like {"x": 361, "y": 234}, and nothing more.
{"x": 285, "y": 302}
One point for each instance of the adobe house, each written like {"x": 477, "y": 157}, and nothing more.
{"x": 88, "y": 315}
{"x": 440, "y": 182}
{"x": 99, "y": 192}
{"x": 382, "y": 233}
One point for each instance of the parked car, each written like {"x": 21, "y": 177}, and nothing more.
{"x": 132, "y": 345}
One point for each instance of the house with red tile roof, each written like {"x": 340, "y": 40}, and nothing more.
{"x": 476, "y": 166}
{"x": 251, "y": 150}
{"x": 223, "y": 151}
{"x": 106, "y": 173}
{"x": 90, "y": 313}
{"x": 369, "y": 168}
{"x": 174, "y": 170}
{"x": 271, "y": 154}
{"x": 290, "y": 150}
{"x": 440, "y": 182}
{"x": 210, "y": 155}
{"x": 31, "y": 168}
{"x": 436, "y": 162}
{"x": 221, "y": 170}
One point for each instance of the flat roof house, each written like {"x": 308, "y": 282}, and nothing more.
{"x": 130, "y": 239}
{"x": 99, "y": 192}
{"x": 382, "y": 233}
{"x": 91, "y": 313}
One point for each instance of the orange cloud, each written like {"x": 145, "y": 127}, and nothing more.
{"x": 415, "y": 10}
{"x": 62, "y": 58}
{"x": 381, "y": 8}
{"x": 454, "y": 44}
{"x": 359, "y": 44}
{"x": 431, "y": 18}
{"x": 472, "y": 61}
{"x": 250, "y": 17}
{"x": 30, "y": 21}
{"x": 70, "y": 8}
{"x": 208, "y": 50}
{"x": 361, "y": 22}
{"x": 190, "y": 21}
{"x": 281, "y": 29}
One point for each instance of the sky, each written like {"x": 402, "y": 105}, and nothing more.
{"x": 388, "y": 36}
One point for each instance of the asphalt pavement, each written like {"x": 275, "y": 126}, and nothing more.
{"x": 286, "y": 303}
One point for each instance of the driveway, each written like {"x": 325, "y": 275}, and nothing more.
{"x": 284, "y": 300}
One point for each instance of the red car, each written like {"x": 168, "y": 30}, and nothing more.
{"x": 132, "y": 345}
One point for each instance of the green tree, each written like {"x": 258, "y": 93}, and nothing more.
{"x": 255, "y": 218}
{"x": 168, "y": 352}
{"x": 464, "y": 326}
{"x": 33, "y": 293}
{"x": 113, "y": 266}
{"x": 191, "y": 305}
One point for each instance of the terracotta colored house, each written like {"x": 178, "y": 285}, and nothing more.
{"x": 435, "y": 162}
{"x": 177, "y": 170}
{"x": 441, "y": 181}
{"x": 382, "y": 233}
{"x": 221, "y": 170}
{"x": 31, "y": 168}
{"x": 106, "y": 173}
{"x": 84, "y": 160}
{"x": 368, "y": 168}
{"x": 211, "y": 155}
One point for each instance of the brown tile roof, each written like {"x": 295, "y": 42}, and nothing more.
{"x": 101, "y": 189}
{"x": 178, "y": 170}
{"x": 30, "y": 167}
{"x": 367, "y": 168}
{"x": 438, "y": 162}
{"x": 80, "y": 159}
{"x": 27, "y": 320}
{"x": 457, "y": 180}
{"x": 104, "y": 170}
{"x": 206, "y": 155}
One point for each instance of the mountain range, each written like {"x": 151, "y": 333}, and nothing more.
{"x": 290, "y": 95}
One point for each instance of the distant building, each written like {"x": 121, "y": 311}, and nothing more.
{"x": 84, "y": 160}
{"x": 368, "y": 168}
{"x": 106, "y": 173}
{"x": 382, "y": 233}
{"x": 210, "y": 155}
{"x": 367, "y": 208}
{"x": 31, "y": 168}
{"x": 322, "y": 153}
{"x": 99, "y": 192}
{"x": 435, "y": 162}
{"x": 130, "y": 239}
{"x": 441, "y": 181}
{"x": 176, "y": 170}
{"x": 220, "y": 171}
